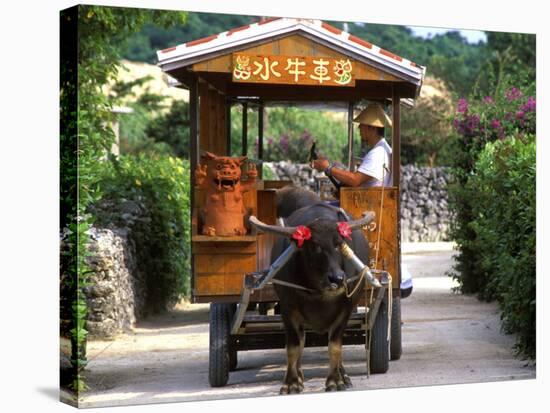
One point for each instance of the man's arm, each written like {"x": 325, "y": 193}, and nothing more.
{"x": 347, "y": 178}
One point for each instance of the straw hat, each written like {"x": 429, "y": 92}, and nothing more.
{"x": 373, "y": 115}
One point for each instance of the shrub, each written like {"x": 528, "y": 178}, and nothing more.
{"x": 504, "y": 220}
{"x": 511, "y": 112}
{"x": 159, "y": 185}
{"x": 493, "y": 202}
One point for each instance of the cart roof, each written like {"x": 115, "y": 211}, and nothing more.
{"x": 180, "y": 59}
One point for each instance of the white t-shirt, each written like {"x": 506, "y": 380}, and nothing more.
{"x": 373, "y": 164}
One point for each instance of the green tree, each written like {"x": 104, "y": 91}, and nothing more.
{"x": 447, "y": 56}
{"x": 143, "y": 45}
{"x": 86, "y": 134}
{"x": 172, "y": 129}
{"x": 511, "y": 58}
{"x": 426, "y": 133}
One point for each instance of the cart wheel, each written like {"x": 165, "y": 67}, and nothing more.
{"x": 220, "y": 344}
{"x": 395, "y": 347}
{"x": 232, "y": 351}
{"x": 233, "y": 360}
{"x": 379, "y": 350}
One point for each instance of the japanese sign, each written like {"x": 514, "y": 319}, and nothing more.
{"x": 293, "y": 70}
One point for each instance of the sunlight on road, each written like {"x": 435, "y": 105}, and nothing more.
{"x": 216, "y": 392}
{"x": 114, "y": 397}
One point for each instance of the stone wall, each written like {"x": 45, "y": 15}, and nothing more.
{"x": 117, "y": 291}
{"x": 116, "y": 296}
{"x": 300, "y": 174}
{"x": 425, "y": 214}
{"x": 424, "y": 201}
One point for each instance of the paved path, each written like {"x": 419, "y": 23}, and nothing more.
{"x": 447, "y": 338}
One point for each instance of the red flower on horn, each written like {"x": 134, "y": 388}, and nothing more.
{"x": 344, "y": 229}
{"x": 301, "y": 234}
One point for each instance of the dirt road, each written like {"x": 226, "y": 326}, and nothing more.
{"x": 447, "y": 338}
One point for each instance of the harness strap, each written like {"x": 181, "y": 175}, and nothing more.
{"x": 292, "y": 285}
{"x": 300, "y": 287}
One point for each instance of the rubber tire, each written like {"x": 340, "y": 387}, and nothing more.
{"x": 219, "y": 349}
{"x": 233, "y": 360}
{"x": 396, "y": 348}
{"x": 379, "y": 347}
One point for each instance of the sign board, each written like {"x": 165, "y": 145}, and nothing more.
{"x": 293, "y": 70}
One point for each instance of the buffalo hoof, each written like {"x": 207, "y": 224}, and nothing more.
{"x": 294, "y": 388}
{"x": 347, "y": 382}
{"x": 331, "y": 387}
{"x": 336, "y": 387}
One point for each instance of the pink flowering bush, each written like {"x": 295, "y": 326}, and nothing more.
{"x": 512, "y": 112}
{"x": 493, "y": 203}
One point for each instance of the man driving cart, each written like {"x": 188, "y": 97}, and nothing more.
{"x": 375, "y": 166}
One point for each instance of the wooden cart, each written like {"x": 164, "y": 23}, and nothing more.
{"x": 295, "y": 61}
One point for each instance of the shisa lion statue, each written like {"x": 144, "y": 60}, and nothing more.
{"x": 224, "y": 210}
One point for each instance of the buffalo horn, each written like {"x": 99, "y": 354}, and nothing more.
{"x": 368, "y": 216}
{"x": 348, "y": 254}
{"x": 273, "y": 229}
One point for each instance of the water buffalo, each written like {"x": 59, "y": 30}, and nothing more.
{"x": 320, "y": 268}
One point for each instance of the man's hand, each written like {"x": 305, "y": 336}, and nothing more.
{"x": 321, "y": 164}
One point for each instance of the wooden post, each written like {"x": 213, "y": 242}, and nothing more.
{"x": 350, "y": 138}
{"x": 396, "y": 172}
{"x": 396, "y": 139}
{"x": 245, "y": 130}
{"x": 193, "y": 127}
{"x": 228, "y": 126}
{"x": 261, "y": 131}
{"x": 193, "y": 157}
{"x": 261, "y": 113}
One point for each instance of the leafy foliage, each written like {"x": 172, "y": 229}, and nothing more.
{"x": 289, "y": 133}
{"x": 504, "y": 221}
{"x": 510, "y": 55}
{"x": 448, "y": 56}
{"x": 426, "y": 137}
{"x": 86, "y": 135}
{"x": 493, "y": 198}
{"x": 172, "y": 129}
{"x": 143, "y": 45}
{"x": 160, "y": 186}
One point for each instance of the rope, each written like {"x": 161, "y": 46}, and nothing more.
{"x": 390, "y": 295}
{"x": 390, "y": 289}
{"x": 380, "y": 218}
{"x": 361, "y": 276}
{"x": 390, "y": 305}
{"x": 367, "y": 334}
